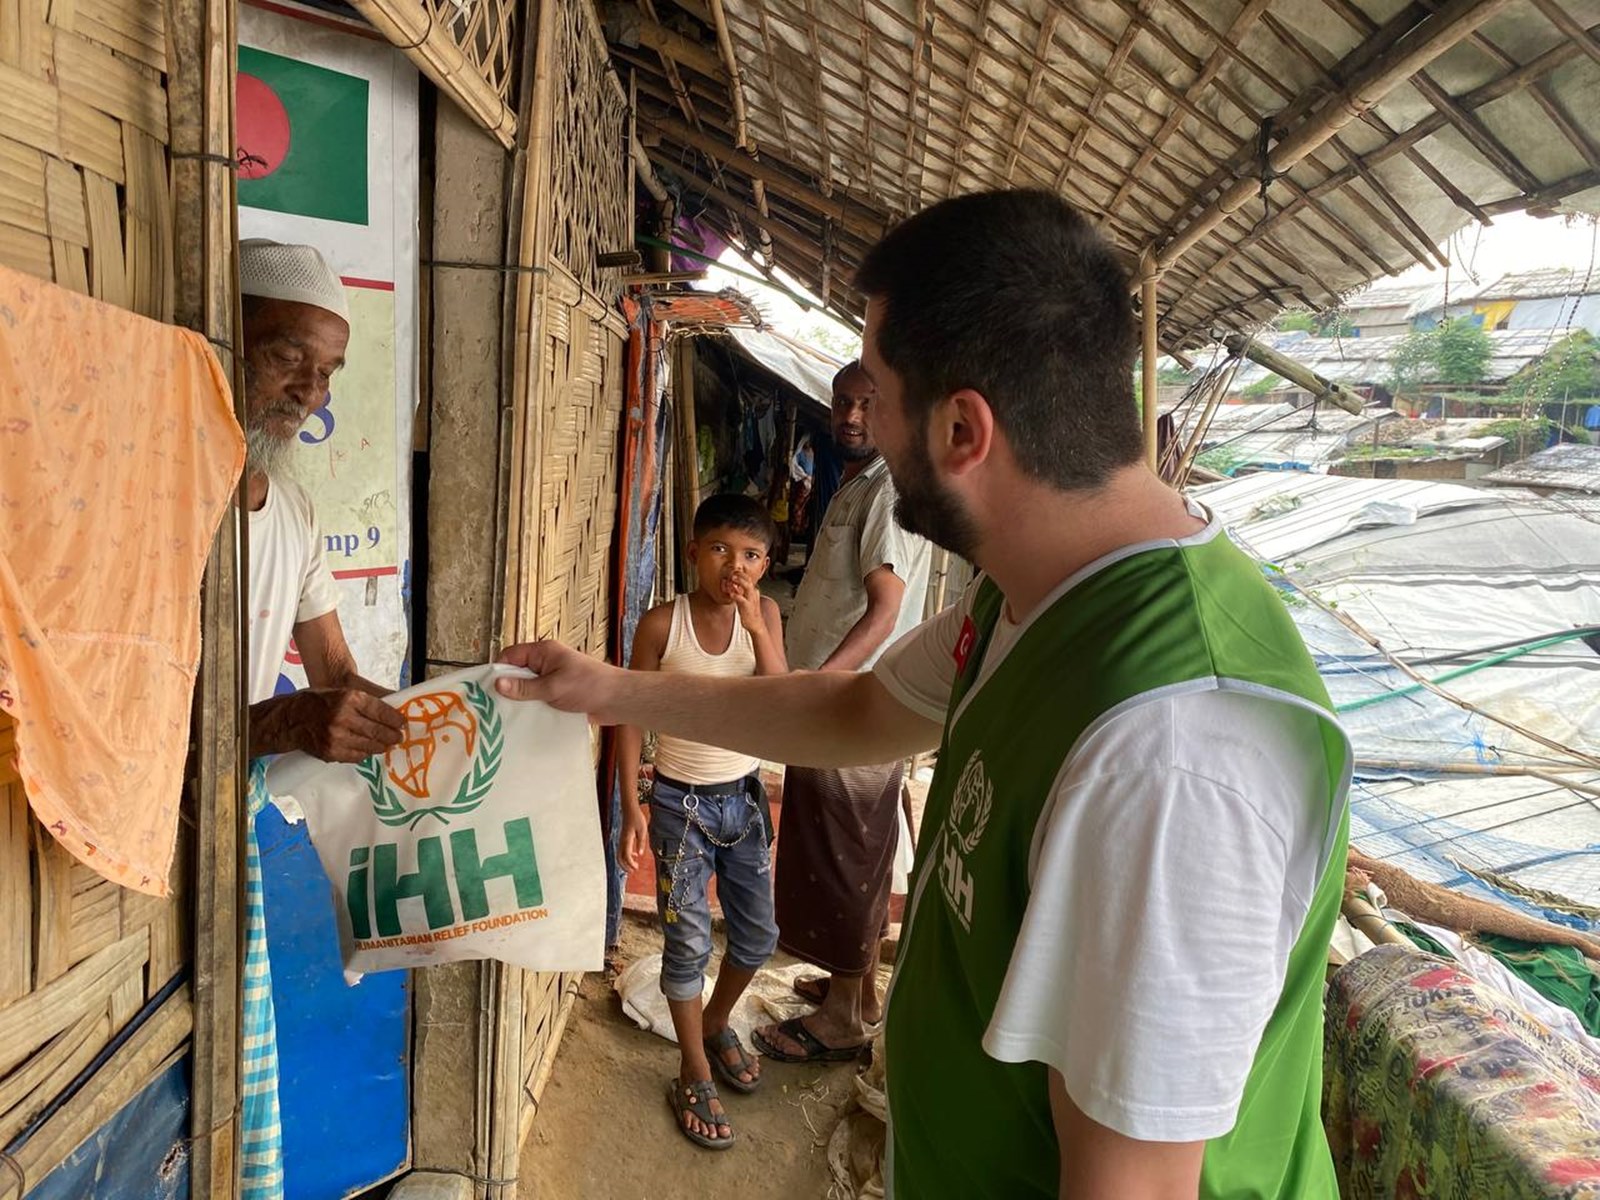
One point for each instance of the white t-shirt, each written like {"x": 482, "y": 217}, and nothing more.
{"x": 289, "y": 579}
{"x": 858, "y": 535}
{"x": 1170, "y": 876}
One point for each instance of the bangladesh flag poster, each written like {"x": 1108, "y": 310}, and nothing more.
{"x": 327, "y": 155}
{"x": 302, "y": 138}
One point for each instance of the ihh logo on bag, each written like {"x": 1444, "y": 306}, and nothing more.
{"x": 442, "y": 770}
{"x": 375, "y": 886}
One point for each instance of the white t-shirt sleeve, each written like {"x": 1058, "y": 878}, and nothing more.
{"x": 883, "y": 542}
{"x": 920, "y": 668}
{"x": 318, "y": 596}
{"x": 1171, "y": 876}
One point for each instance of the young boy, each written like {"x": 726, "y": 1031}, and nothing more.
{"x": 707, "y": 809}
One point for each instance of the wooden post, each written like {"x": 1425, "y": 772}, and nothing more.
{"x": 203, "y": 40}
{"x": 1147, "y": 311}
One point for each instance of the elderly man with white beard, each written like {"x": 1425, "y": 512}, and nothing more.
{"x": 296, "y": 327}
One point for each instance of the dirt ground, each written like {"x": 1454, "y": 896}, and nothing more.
{"x": 604, "y": 1131}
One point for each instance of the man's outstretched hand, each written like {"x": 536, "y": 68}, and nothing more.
{"x": 334, "y": 724}
{"x": 566, "y": 679}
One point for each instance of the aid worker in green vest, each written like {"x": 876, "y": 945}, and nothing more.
{"x": 1109, "y": 985}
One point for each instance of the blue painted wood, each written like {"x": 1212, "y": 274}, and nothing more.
{"x": 343, "y": 1052}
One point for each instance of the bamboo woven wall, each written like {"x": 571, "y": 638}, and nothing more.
{"x": 84, "y": 197}
{"x": 576, "y": 389}
{"x": 87, "y": 200}
{"x": 79, "y": 957}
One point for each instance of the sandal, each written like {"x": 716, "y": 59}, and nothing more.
{"x": 815, "y": 1051}
{"x": 696, "y": 1098}
{"x": 813, "y": 989}
{"x": 719, "y": 1044}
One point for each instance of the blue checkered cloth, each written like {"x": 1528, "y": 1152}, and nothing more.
{"x": 261, "y": 1126}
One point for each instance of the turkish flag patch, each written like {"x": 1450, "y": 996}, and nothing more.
{"x": 964, "y": 643}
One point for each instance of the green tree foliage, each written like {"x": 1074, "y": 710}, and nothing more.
{"x": 1463, "y": 352}
{"x": 1456, "y": 352}
{"x": 1322, "y": 324}
{"x": 1570, "y": 371}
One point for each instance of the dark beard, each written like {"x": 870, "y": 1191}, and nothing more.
{"x": 856, "y": 453}
{"x": 922, "y": 506}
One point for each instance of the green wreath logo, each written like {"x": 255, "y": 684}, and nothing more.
{"x": 437, "y": 714}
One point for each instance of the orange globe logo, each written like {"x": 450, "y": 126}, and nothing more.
{"x": 436, "y": 721}
{"x": 465, "y": 724}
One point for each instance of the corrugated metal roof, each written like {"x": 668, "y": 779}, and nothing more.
{"x": 1569, "y": 466}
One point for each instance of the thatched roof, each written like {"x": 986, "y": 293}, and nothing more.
{"x": 1379, "y": 126}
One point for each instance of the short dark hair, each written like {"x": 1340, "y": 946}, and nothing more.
{"x": 853, "y": 367}
{"x": 729, "y": 510}
{"x": 1015, "y": 295}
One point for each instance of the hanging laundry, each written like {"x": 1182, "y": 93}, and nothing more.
{"x": 478, "y": 836}
{"x": 119, "y": 453}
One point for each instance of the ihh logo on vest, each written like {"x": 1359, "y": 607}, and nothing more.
{"x": 969, "y": 816}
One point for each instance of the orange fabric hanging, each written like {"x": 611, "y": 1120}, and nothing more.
{"x": 119, "y": 453}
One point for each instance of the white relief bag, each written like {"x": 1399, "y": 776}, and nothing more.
{"x": 478, "y": 836}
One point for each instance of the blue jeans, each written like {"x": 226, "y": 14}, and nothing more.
{"x": 694, "y": 835}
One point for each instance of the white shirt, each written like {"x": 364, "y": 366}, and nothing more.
{"x": 289, "y": 579}
{"x": 1171, "y": 874}
{"x": 858, "y": 535}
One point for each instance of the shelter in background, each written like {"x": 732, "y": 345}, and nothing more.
{"x": 1568, "y": 467}
{"x": 1458, "y": 631}
{"x": 1552, "y": 298}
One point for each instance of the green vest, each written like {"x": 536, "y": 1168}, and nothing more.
{"x": 1196, "y": 616}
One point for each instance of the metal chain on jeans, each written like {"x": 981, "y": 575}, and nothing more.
{"x": 691, "y": 812}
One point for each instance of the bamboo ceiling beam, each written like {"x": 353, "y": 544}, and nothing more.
{"x": 794, "y": 239}
{"x": 1582, "y": 39}
{"x": 1119, "y": 56}
{"x": 852, "y": 216}
{"x": 1448, "y": 27}
{"x": 1546, "y": 196}
{"x": 1047, "y": 34}
{"x": 741, "y": 120}
{"x": 684, "y": 51}
{"x": 1241, "y": 25}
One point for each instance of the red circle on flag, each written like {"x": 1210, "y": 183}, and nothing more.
{"x": 263, "y": 128}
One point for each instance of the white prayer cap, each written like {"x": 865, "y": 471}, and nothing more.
{"x": 274, "y": 271}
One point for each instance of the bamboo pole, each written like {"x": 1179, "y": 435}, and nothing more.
{"x": 741, "y": 121}
{"x": 1438, "y": 33}
{"x": 1219, "y": 389}
{"x": 522, "y": 574}
{"x": 655, "y": 36}
{"x": 1295, "y": 372}
{"x": 1149, "y": 281}
{"x": 202, "y": 43}
{"x": 430, "y": 47}
{"x": 688, "y": 473}
{"x": 1361, "y": 913}
{"x": 852, "y": 217}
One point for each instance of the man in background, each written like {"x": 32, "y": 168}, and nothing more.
{"x": 863, "y": 588}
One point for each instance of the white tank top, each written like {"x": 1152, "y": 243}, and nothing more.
{"x": 695, "y": 762}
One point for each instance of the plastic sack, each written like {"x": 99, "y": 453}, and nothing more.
{"x": 478, "y": 836}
